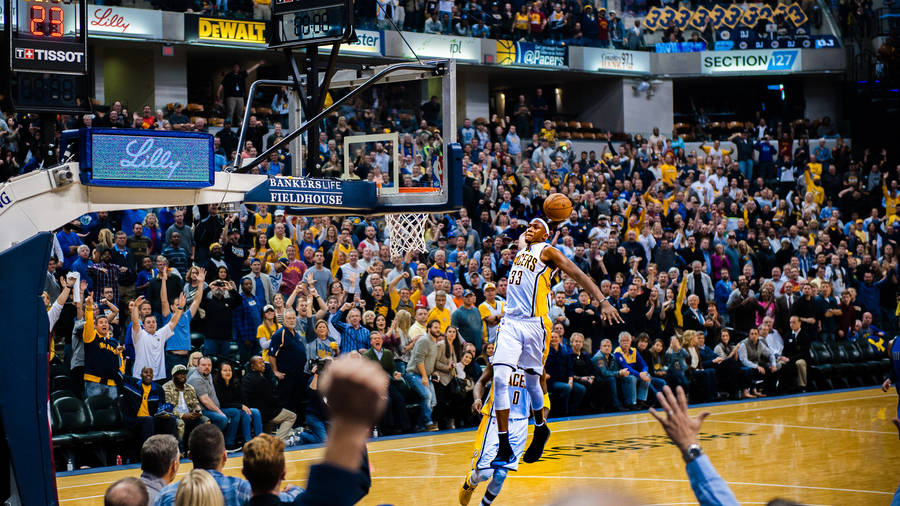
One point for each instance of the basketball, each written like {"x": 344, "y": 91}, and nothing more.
{"x": 557, "y": 207}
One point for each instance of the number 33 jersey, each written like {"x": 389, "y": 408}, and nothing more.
{"x": 528, "y": 289}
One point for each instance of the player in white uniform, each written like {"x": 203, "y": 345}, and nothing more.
{"x": 486, "y": 440}
{"x": 524, "y": 334}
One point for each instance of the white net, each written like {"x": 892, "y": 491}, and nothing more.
{"x": 407, "y": 232}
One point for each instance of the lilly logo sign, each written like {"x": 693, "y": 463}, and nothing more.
{"x": 165, "y": 161}
{"x": 115, "y": 21}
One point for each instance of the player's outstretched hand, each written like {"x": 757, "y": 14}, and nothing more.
{"x": 356, "y": 390}
{"x": 679, "y": 426}
{"x": 610, "y": 314}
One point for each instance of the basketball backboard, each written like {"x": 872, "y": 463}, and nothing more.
{"x": 366, "y": 153}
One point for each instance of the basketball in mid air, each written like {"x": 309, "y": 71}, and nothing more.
{"x": 557, "y": 207}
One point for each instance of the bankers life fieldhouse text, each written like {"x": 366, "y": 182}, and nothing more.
{"x": 318, "y": 192}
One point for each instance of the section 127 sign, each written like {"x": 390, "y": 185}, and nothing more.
{"x": 530, "y": 54}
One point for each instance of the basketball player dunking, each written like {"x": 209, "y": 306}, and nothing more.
{"x": 524, "y": 333}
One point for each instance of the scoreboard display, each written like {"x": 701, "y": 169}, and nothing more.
{"x": 47, "y": 36}
{"x": 297, "y": 23}
{"x": 48, "y": 59}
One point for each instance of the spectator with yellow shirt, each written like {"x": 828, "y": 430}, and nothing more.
{"x": 279, "y": 242}
{"x": 492, "y": 310}
{"x": 266, "y": 329}
{"x": 259, "y": 222}
{"x": 440, "y": 312}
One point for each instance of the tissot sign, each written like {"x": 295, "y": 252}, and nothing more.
{"x": 124, "y": 22}
{"x": 756, "y": 61}
{"x": 46, "y": 56}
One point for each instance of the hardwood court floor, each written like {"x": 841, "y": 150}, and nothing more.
{"x": 837, "y": 448}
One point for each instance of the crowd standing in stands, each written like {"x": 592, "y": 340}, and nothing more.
{"x": 728, "y": 266}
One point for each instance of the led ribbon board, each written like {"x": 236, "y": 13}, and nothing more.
{"x": 145, "y": 159}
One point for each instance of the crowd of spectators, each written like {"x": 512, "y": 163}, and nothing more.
{"x": 725, "y": 263}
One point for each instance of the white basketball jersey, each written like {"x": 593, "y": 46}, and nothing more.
{"x": 528, "y": 284}
{"x": 519, "y": 404}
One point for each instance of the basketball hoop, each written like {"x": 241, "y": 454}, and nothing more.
{"x": 407, "y": 232}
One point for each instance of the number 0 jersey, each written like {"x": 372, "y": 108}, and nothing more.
{"x": 528, "y": 284}
{"x": 519, "y": 405}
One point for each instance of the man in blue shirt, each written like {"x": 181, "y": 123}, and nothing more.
{"x": 247, "y": 318}
{"x": 69, "y": 241}
{"x": 179, "y": 345}
{"x": 766, "y": 158}
{"x": 638, "y": 381}
{"x": 287, "y": 356}
{"x": 207, "y": 451}
{"x": 353, "y": 335}
{"x": 684, "y": 431}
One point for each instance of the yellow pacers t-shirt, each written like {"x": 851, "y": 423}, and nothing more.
{"x": 279, "y": 246}
{"x": 144, "y": 410}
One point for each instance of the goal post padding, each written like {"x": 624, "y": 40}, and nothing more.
{"x": 24, "y": 395}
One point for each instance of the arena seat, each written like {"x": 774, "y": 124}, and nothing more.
{"x": 844, "y": 370}
{"x": 878, "y": 361}
{"x": 58, "y": 394}
{"x": 74, "y": 421}
{"x": 61, "y": 382}
{"x": 105, "y": 416}
{"x": 820, "y": 365}
{"x": 855, "y": 359}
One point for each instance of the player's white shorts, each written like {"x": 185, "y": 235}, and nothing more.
{"x": 522, "y": 342}
{"x": 488, "y": 442}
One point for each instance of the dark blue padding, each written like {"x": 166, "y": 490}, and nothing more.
{"x": 23, "y": 369}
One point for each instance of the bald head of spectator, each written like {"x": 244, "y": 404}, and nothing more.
{"x": 126, "y": 492}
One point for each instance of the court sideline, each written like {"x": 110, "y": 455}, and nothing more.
{"x": 807, "y": 448}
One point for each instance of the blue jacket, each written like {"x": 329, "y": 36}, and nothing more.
{"x": 723, "y": 291}
{"x": 636, "y": 366}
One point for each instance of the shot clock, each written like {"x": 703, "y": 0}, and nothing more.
{"x": 48, "y": 35}
{"x": 298, "y": 23}
{"x": 47, "y": 54}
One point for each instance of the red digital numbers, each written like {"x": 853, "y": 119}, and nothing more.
{"x": 47, "y": 21}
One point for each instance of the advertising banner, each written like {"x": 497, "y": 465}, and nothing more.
{"x": 529, "y": 54}
{"x": 428, "y": 45}
{"x": 617, "y": 60}
{"x": 228, "y": 31}
{"x": 147, "y": 159}
{"x": 114, "y": 21}
{"x": 369, "y": 42}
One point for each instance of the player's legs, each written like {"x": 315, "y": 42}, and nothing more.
{"x": 505, "y": 360}
{"x": 532, "y": 361}
{"x": 502, "y": 373}
{"x": 484, "y": 440}
{"x": 494, "y": 487}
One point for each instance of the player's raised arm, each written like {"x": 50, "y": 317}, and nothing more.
{"x": 551, "y": 255}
